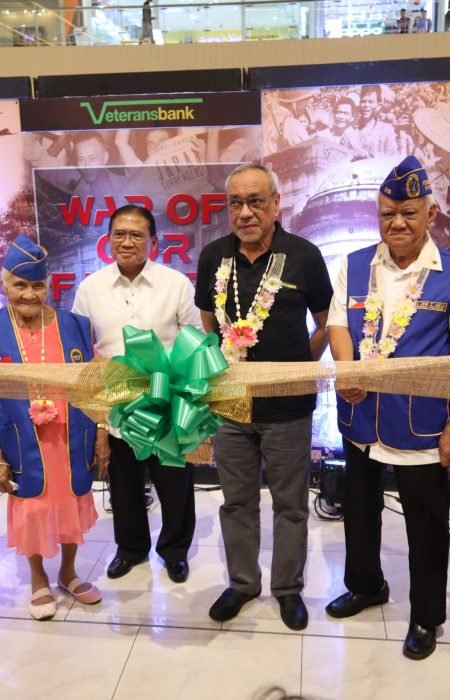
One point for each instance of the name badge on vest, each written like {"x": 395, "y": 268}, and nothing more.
{"x": 433, "y": 305}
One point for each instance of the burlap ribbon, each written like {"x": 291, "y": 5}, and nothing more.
{"x": 196, "y": 377}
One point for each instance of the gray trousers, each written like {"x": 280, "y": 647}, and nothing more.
{"x": 239, "y": 449}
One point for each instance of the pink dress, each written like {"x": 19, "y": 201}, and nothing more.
{"x": 37, "y": 525}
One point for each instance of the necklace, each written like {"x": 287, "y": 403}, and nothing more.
{"x": 242, "y": 334}
{"x": 369, "y": 347}
{"x": 41, "y": 411}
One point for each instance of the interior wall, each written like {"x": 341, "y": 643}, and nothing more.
{"x": 50, "y": 60}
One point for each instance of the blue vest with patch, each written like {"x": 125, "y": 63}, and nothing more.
{"x": 400, "y": 422}
{"x": 18, "y": 437}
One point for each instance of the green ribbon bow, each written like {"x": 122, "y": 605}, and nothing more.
{"x": 172, "y": 418}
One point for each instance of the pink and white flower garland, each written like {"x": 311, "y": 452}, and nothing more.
{"x": 369, "y": 348}
{"x": 42, "y": 411}
{"x": 243, "y": 333}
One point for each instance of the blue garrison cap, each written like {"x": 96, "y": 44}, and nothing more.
{"x": 26, "y": 259}
{"x": 408, "y": 180}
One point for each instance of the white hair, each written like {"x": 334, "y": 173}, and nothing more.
{"x": 429, "y": 200}
{"x": 243, "y": 167}
{"x": 7, "y": 276}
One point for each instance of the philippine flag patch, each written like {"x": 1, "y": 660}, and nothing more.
{"x": 356, "y": 302}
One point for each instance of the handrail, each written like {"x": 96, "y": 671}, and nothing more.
{"x": 80, "y": 24}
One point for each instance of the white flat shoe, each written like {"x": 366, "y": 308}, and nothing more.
{"x": 89, "y": 597}
{"x": 45, "y": 611}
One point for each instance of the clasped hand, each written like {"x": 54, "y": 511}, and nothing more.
{"x": 352, "y": 396}
{"x": 444, "y": 447}
{"x": 5, "y": 478}
{"x": 102, "y": 452}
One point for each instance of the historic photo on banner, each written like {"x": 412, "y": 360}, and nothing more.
{"x": 332, "y": 147}
{"x": 80, "y": 178}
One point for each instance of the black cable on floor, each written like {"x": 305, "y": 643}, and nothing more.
{"x": 321, "y": 513}
{"x": 391, "y": 495}
{"x": 396, "y": 498}
{"x": 207, "y": 488}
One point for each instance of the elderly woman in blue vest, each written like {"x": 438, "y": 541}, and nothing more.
{"x": 393, "y": 300}
{"x": 47, "y": 448}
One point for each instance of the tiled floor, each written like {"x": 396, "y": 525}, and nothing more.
{"x": 152, "y": 639}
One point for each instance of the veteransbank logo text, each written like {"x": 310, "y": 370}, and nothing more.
{"x": 121, "y": 111}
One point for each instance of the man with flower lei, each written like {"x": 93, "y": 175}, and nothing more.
{"x": 254, "y": 288}
{"x": 393, "y": 300}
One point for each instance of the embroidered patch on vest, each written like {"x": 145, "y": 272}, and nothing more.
{"x": 76, "y": 355}
{"x": 356, "y": 302}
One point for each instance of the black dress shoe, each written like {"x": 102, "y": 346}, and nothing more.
{"x": 177, "y": 571}
{"x": 420, "y": 642}
{"x": 293, "y": 611}
{"x": 119, "y": 567}
{"x": 353, "y": 603}
{"x": 229, "y": 604}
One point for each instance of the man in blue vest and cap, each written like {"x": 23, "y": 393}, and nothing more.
{"x": 393, "y": 300}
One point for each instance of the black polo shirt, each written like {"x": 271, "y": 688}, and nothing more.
{"x": 284, "y": 336}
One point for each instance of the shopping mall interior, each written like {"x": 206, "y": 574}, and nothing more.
{"x": 255, "y": 65}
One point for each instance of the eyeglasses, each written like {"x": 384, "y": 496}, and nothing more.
{"x": 134, "y": 236}
{"x": 254, "y": 203}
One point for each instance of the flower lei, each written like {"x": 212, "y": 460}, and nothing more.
{"x": 369, "y": 347}
{"x": 242, "y": 334}
{"x": 41, "y": 411}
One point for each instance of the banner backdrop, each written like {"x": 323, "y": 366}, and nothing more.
{"x": 332, "y": 147}
{"x": 176, "y": 166}
{"x": 78, "y": 159}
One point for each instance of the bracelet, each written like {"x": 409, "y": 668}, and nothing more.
{"x": 103, "y": 426}
{"x": 4, "y": 464}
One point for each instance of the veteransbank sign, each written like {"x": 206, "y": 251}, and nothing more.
{"x": 118, "y": 112}
{"x": 138, "y": 111}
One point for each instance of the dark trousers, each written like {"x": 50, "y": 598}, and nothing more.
{"x": 175, "y": 489}
{"x": 423, "y": 491}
